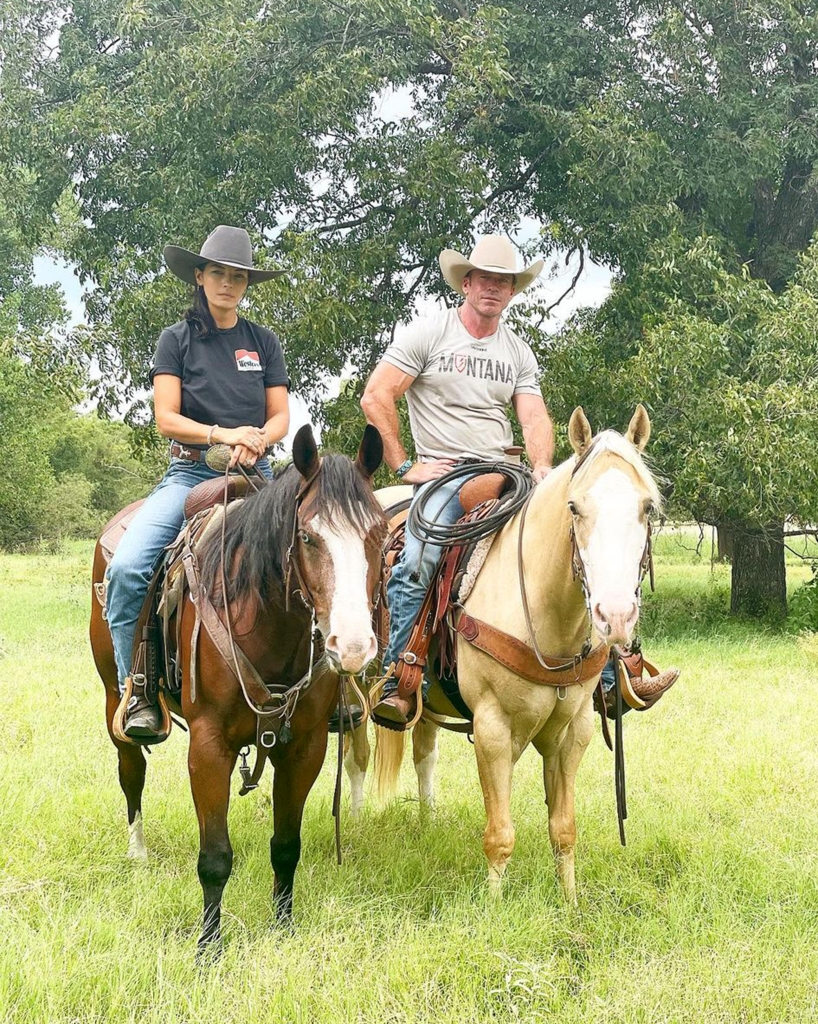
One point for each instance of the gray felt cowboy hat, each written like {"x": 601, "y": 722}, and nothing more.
{"x": 493, "y": 253}
{"x": 226, "y": 245}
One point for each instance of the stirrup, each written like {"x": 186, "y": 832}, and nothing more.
{"x": 118, "y": 723}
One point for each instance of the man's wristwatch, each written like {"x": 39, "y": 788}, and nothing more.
{"x": 404, "y": 468}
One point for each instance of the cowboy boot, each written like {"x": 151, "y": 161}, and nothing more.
{"x": 646, "y": 690}
{"x": 395, "y": 711}
{"x": 143, "y": 717}
{"x": 649, "y": 689}
{"x": 353, "y": 717}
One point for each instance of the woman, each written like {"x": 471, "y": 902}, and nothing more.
{"x": 217, "y": 378}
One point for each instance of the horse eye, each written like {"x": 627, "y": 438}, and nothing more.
{"x": 305, "y": 537}
{"x": 572, "y": 508}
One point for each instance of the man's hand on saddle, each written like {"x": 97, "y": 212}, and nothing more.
{"x": 423, "y": 472}
{"x": 540, "y": 473}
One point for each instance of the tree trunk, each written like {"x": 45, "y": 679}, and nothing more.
{"x": 759, "y": 579}
{"x": 724, "y": 542}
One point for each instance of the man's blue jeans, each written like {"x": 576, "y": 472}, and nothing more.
{"x": 608, "y": 675}
{"x": 413, "y": 571}
{"x": 155, "y": 525}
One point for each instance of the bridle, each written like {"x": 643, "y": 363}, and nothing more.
{"x": 580, "y": 573}
{"x": 292, "y": 564}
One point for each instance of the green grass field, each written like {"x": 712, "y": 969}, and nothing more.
{"x": 710, "y": 914}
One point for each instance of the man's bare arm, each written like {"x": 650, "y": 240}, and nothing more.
{"x": 380, "y": 405}
{"x": 538, "y": 433}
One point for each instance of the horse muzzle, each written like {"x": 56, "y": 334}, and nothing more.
{"x": 351, "y": 656}
{"x": 615, "y": 620}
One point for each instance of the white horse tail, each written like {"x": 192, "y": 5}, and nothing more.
{"x": 389, "y": 748}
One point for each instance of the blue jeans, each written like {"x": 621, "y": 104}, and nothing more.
{"x": 608, "y": 675}
{"x": 155, "y": 525}
{"x": 413, "y": 571}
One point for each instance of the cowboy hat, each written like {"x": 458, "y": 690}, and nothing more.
{"x": 228, "y": 246}
{"x": 493, "y": 253}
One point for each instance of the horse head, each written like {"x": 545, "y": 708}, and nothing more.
{"x": 611, "y": 497}
{"x": 338, "y": 534}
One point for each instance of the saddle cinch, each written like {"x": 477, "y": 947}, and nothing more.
{"x": 153, "y": 655}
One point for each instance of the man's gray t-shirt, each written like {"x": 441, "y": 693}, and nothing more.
{"x": 463, "y": 385}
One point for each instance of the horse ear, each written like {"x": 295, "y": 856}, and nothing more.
{"x": 305, "y": 452}
{"x": 579, "y": 431}
{"x": 370, "y": 454}
{"x": 638, "y": 431}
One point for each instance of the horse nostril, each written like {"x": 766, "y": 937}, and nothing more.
{"x": 600, "y": 619}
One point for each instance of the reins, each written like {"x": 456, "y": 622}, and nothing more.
{"x": 580, "y": 573}
{"x": 270, "y": 705}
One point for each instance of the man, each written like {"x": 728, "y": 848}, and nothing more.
{"x": 459, "y": 371}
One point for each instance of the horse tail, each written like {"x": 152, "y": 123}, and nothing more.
{"x": 389, "y": 748}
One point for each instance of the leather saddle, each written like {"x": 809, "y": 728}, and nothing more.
{"x": 166, "y": 588}
{"x": 431, "y": 641}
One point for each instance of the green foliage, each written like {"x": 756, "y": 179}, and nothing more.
{"x": 64, "y": 474}
{"x": 675, "y": 144}
{"x": 729, "y": 376}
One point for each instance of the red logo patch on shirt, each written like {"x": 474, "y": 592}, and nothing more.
{"x": 247, "y": 360}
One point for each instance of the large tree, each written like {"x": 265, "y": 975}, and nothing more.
{"x": 673, "y": 142}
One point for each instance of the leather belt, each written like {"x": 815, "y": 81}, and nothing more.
{"x": 183, "y": 451}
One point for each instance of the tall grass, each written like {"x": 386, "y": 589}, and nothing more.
{"x": 709, "y": 913}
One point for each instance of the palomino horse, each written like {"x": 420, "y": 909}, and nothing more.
{"x": 318, "y": 517}
{"x": 603, "y": 497}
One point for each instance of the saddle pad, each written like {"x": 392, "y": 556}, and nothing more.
{"x": 463, "y": 585}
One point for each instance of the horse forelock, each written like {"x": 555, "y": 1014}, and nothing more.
{"x": 344, "y": 495}
{"x": 259, "y": 532}
{"x": 610, "y": 443}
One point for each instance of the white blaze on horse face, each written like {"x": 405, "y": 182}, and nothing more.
{"x": 349, "y": 638}
{"x": 612, "y": 553}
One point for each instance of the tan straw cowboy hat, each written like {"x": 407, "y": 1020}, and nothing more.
{"x": 493, "y": 253}
{"x": 228, "y": 246}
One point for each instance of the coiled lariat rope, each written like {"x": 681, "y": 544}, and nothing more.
{"x": 429, "y": 531}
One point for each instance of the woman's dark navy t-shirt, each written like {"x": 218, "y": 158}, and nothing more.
{"x": 223, "y": 375}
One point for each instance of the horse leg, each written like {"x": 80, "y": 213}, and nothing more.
{"x": 295, "y": 775}
{"x": 356, "y": 761}
{"x": 425, "y": 754}
{"x": 492, "y": 746}
{"x": 561, "y": 753}
{"x": 131, "y": 780}
{"x": 211, "y": 764}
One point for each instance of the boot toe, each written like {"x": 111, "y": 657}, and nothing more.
{"x": 145, "y": 722}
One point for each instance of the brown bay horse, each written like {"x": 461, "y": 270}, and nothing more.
{"x": 304, "y": 550}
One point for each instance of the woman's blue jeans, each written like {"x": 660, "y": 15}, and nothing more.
{"x": 155, "y": 525}
{"x": 413, "y": 571}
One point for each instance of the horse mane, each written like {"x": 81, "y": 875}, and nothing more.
{"x": 616, "y": 444}
{"x": 259, "y": 531}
